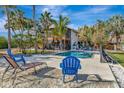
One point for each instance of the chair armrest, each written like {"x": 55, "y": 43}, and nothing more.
{"x": 79, "y": 67}
{"x": 61, "y": 65}
{"x": 18, "y": 55}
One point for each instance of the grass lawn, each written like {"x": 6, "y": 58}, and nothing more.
{"x": 119, "y": 56}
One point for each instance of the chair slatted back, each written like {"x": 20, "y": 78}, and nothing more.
{"x": 9, "y": 52}
{"x": 71, "y": 65}
{"x": 71, "y": 62}
{"x": 11, "y": 61}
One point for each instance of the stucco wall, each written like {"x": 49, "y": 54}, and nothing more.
{"x": 74, "y": 38}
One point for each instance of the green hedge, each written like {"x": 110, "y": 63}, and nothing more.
{"x": 4, "y": 43}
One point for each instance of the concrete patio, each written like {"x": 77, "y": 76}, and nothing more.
{"x": 92, "y": 75}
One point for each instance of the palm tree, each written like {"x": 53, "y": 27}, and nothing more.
{"x": 19, "y": 24}
{"x": 55, "y": 33}
{"x": 61, "y": 28}
{"x": 12, "y": 24}
{"x": 46, "y": 22}
{"x": 29, "y": 36}
{"x": 94, "y": 35}
{"x": 116, "y": 27}
{"x": 85, "y": 35}
{"x": 34, "y": 26}
{"x": 7, "y": 9}
{"x": 100, "y": 36}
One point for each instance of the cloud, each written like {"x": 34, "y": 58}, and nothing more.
{"x": 64, "y": 13}
{"x": 74, "y": 26}
{"x": 2, "y": 23}
{"x": 90, "y": 14}
{"x": 98, "y": 9}
{"x": 93, "y": 10}
{"x": 54, "y": 10}
{"x": 82, "y": 15}
{"x": 45, "y": 9}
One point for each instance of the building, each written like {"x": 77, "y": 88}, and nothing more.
{"x": 65, "y": 43}
{"x": 113, "y": 45}
{"x": 74, "y": 38}
{"x": 52, "y": 42}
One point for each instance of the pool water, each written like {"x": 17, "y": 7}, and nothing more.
{"x": 79, "y": 54}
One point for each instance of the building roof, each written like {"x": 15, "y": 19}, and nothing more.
{"x": 52, "y": 26}
{"x": 75, "y": 31}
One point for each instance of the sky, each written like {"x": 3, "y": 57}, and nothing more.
{"x": 79, "y": 14}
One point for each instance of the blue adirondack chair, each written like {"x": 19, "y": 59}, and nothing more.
{"x": 17, "y": 57}
{"x": 70, "y": 66}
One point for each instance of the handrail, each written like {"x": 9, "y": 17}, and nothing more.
{"x": 111, "y": 60}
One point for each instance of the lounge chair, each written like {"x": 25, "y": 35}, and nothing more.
{"x": 18, "y": 68}
{"x": 16, "y": 58}
{"x": 70, "y": 66}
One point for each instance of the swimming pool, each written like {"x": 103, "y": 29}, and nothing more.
{"x": 79, "y": 54}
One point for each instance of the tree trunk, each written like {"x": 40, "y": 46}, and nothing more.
{"x": 116, "y": 43}
{"x": 60, "y": 44}
{"x": 18, "y": 43}
{"x": 100, "y": 53}
{"x": 53, "y": 43}
{"x": 21, "y": 41}
{"x": 43, "y": 46}
{"x": 9, "y": 31}
{"x": 34, "y": 25}
{"x": 64, "y": 44}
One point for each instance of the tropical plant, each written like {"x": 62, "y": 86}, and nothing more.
{"x": 100, "y": 37}
{"x": 21, "y": 26}
{"x": 86, "y": 35}
{"x": 7, "y": 9}
{"x": 46, "y": 22}
{"x": 115, "y": 26}
{"x": 60, "y": 28}
{"x": 95, "y": 35}
{"x": 3, "y": 42}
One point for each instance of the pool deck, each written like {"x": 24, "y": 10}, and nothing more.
{"x": 92, "y": 75}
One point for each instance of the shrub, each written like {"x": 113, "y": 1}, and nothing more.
{"x": 3, "y": 42}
